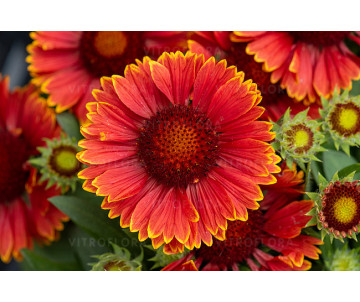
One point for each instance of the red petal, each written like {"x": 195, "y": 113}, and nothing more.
{"x": 231, "y": 101}
{"x": 6, "y": 234}
{"x": 121, "y": 182}
{"x": 290, "y": 220}
{"x": 172, "y": 217}
{"x": 212, "y": 203}
{"x": 209, "y": 79}
{"x": 179, "y": 79}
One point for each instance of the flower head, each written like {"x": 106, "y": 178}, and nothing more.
{"x": 307, "y": 64}
{"x": 25, "y": 212}
{"x": 58, "y": 163}
{"x": 161, "y": 259}
{"x": 68, "y": 65}
{"x": 298, "y": 139}
{"x": 342, "y": 120}
{"x": 119, "y": 260}
{"x": 270, "y": 239}
{"x": 175, "y": 148}
{"x": 337, "y": 207}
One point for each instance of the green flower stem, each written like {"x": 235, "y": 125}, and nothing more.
{"x": 308, "y": 177}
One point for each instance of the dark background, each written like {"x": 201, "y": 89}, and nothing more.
{"x": 12, "y": 63}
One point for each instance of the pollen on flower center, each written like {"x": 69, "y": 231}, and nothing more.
{"x": 64, "y": 162}
{"x": 178, "y": 146}
{"x": 14, "y": 152}
{"x": 345, "y": 119}
{"x": 106, "y": 53}
{"x": 110, "y": 43}
{"x": 341, "y": 207}
{"x": 242, "y": 237}
{"x": 300, "y": 137}
{"x": 345, "y": 209}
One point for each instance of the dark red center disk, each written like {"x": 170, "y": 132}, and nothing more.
{"x": 178, "y": 146}
{"x": 105, "y": 53}
{"x": 320, "y": 38}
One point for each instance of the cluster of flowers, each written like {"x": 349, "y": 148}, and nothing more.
{"x": 177, "y": 139}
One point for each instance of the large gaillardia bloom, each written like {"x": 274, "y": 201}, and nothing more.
{"x": 307, "y": 64}
{"x": 271, "y": 239}
{"x": 176, "y": 149}
{"x": 68, "y": 65}
{"x": 25, "y": 212}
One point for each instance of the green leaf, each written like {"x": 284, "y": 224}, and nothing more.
{"x": 355, "y": 88}
{"x": 59, "y": 256}
{"x": 334, "y": 161}
{"x": 87, "y": 214}
{"x": 315, "y": 169}
{"x": 85, "y": 246}
{"x": 70, "y": 125}
{"x": 349, "y": 169}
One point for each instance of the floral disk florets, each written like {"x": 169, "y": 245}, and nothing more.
{"x": 342, "y": 120}
{"x": 337, "y": 207}
{"x": 58, "y": 163}
{"x": 298, "y": 139}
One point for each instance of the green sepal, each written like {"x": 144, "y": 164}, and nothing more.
{"x": 37, "y": 161}
{"x": 322, "y": 182}
{"x": 312, "y": 221}
{"x": 353, "y": 236}
{"x": 275, "y": 145}
{"x": 324, "y": 102}
{"x": 301, "y": 115}
{"x": 346, "y": 148}
{"x": 335, "y": 176}
{"x": 301, "y": 165}
{"x": 289, "y": 162}
{"x": 323, "y": 234}
{"x": 312, "y": 196}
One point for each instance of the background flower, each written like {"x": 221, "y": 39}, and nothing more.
{"x": 307, "y": 64}
{"x": 25, "y": 212}
{"x": 68, "y": 65}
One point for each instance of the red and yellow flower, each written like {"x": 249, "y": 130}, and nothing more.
{"x": 276, "y": 225}
{"x": 275, "y": 100}
{"x": 25, "y": 212}
{"x": 176, "y": 149}
{"x": 68, "y": 65}
{"x": 337, "y": 207}
{"x": 307, "y": 64}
